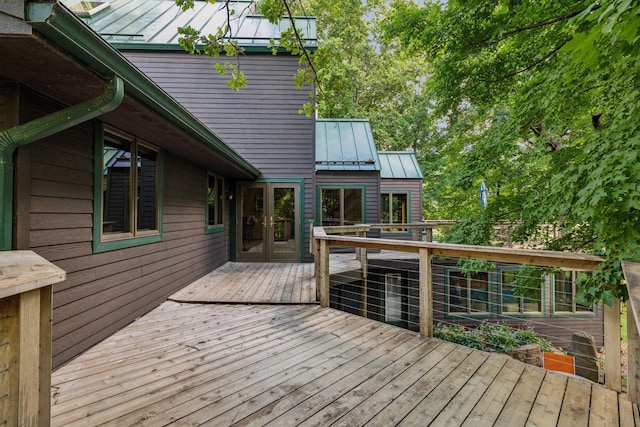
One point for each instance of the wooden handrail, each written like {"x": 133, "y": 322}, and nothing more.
{"x": 570, "y": 260}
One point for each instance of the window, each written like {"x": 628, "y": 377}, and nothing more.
{"x": 129, "y": 198}
{"x": 215, "y": 203}
{"x": 468, "y": 295}
{"x": 564, "y": 293}
{"x": 394, "y": 209}
{"x": 341, "y": 206}
{"x": 528, "y": 300}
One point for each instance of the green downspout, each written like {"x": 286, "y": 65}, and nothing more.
{"x": 37, "y": 129}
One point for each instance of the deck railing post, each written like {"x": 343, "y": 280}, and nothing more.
{"x": 323, "y": 274}
{"x": 316, "y": 266}
{"x": 633, "y": 357}
{"x": 612, "y": 367}
{"x": 426, "y": 293}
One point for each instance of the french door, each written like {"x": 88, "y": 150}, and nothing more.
{"x": 268, "y": 221}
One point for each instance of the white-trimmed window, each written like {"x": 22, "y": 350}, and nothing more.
{"x": 564, "y": 293}
{"x": 215, "y": 202}
{"x": 130, "y": 206}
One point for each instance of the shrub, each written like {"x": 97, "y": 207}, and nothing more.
{"x": 490, "y": 337}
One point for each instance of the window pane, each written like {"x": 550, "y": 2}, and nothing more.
{"x": 330, "y": 199}
{"x": 220, "y": 201}
{"x": 563, "y": 295}
{"x": 479, "y": 288}
{"x": 458, "y": 292}
{"x": 580, "y": 276}
{"x": 215, "y": 201}
{"x": 510, "y": 303}
{"x": 352, "y": 206}
{"x": 147, "y": 191}
{"x": 116, "y": 184}
{"x": 399, "y": 208}
{"x": 384, "y": 208}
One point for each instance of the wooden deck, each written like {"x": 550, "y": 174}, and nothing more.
{"x": 187, "y": 364}
{"x": 255, "y": 283}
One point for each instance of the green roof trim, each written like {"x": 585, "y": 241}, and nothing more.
{"x": 153, "y": 24}
{"x": 399, "y": 165}
{"x": 345, "y": 145}
{"x": 63, "y": 27}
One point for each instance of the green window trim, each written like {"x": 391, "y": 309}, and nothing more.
{"x": 521, "y": 313}
{"x": 391, "y": 194}
{"x": 575, "y": 313}
{"x": 469, "y": 314}
{"x": 342, "y": 188}
{"x": 215, "y": 193}
{"x": 133, "y": 237}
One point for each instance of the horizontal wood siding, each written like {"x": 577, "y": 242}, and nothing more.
{"x": 414, "y": 187}
{"x": 261, "y": 121}
{"x": 106, "y": 291}
{"x": 368, "y": 179}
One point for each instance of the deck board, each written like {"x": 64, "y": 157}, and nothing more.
{"x": 290, "y": 363}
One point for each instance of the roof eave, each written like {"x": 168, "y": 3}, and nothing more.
{"x": 61, "y": 26}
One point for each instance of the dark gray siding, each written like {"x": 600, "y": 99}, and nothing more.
{"x": 105, "y": 291}
{"x": 261, "y": 121}
{"x": 370, "y": 180}
{"x": 414, "y": 187}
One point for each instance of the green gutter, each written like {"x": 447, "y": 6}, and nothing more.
{"x": 60, "y": 25}
{"x": 37, "y": 129}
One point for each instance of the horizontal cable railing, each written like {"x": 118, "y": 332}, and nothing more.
{"x": 419, "y": 285}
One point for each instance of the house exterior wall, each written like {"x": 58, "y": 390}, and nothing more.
{"x": 261, "y": 122}
{"x": 105, "y": 291}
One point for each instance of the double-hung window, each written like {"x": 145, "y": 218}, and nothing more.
{"x": 521, "y": 299}
{"x": 394, "y": 209}
{"x": 564, "y": 293}
{"x": 468, "y": 295}
{"x": 215, "y": 203}
{"x": 341, "y": 206}
{"x": 128, "y": 203}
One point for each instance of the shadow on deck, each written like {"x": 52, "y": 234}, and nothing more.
{"x": 298, "y": 364}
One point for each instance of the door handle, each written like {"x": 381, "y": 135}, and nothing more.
{"x": 264, "y": 221}
{"x": 271, "y": 221}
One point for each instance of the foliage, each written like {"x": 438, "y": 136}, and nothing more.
{"x": 538, "y": 100}
{"x": 490, "y": 337}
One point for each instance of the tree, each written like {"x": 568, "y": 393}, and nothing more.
{"x": 537, "y": 99}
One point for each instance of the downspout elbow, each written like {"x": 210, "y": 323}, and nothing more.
{"x": 11, "y": 139}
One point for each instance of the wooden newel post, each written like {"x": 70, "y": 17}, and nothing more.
{"x": 633, "y": 358}
{"x": 323, "y": 279}
{"x": 612, "y": 367}
{"x": 426, "y": 293}
{"x": 26, "y": 281}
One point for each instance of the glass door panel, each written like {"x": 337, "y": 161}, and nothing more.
{"x": 251, "y": 223}
{"x": 268, "y": 222}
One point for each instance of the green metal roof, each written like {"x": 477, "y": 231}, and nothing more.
{"x": 153, "y": 24}
{"x": 399, "y": 165}
{"x": 345, "y": 145}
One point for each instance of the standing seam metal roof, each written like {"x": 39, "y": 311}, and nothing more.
{"x": 153, "y": 24}
{"x": 345, "y": 145}
{"x": 399, "y": 165}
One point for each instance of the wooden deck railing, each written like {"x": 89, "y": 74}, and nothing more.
{"x": 25, "y": 340}
{"x": 632, "y": 277}
{"x": 324, "y": 238}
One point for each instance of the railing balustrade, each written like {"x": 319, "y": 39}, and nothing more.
{"x": 328, "y": 238}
